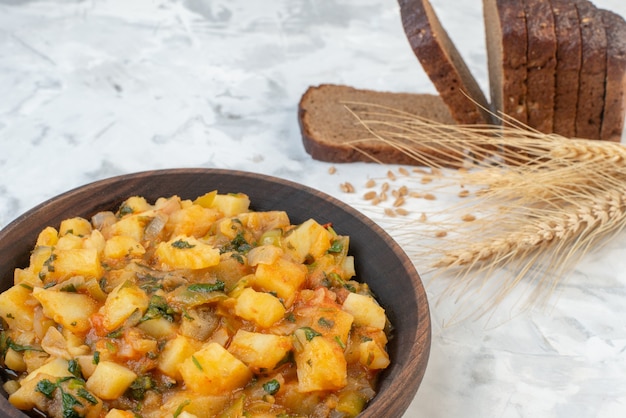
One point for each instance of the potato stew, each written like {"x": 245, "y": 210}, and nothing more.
{"x": 184, "y": 309}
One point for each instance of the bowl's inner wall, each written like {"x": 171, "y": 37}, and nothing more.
{"x": 376, "y": 262}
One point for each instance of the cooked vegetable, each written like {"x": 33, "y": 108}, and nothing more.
{"x": 191, "y": 309}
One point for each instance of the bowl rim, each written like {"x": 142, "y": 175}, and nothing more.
{"x": 399, "y": 392}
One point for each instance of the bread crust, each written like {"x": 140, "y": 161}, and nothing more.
{"x": 443, "y": 63}
{"x": 568, "y": 65}
{"x": 591, "y": 87}
{"x": 615, "y": 96}
{"x": 331, "y": 133}
{"x": 541, "y": 64}
{"x": 506, "y": 37}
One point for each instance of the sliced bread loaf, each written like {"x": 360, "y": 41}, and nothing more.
{"x": 332, "y": 133}
{"x": 506, "y": 37}
{"x": 593, "y": 71}
{"x": 443, "y": 63}
{"x": 615, "y": 96}
{"x": 541, "y": 64}
{"x": 568, "y": 63}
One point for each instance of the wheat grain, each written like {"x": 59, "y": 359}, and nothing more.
{"x": 533, "y": 206}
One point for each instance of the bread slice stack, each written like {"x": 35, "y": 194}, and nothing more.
{"x": 555, "y": 66}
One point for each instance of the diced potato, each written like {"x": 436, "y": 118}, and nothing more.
{"x": 193, "y": 403}
{"x": 76, "y": 262}
{"x": 131, "y": 226}
{"x": 110, "y": 380}
{"x": 57, "y": 367}
{"x": 260, "y": 307}
{"x": 174, "y": 353}
{"x": 282, "y": 277}
{"x": 125, "y": 299}
{"x": 16, "y": 309}
{"x": 40, "y": 259}
{"x": 206, "y": 200}
{"x": 193, "y": 221}
{"x": 118, "y": 413}
{"x": 320, "y": 363}
{"x": 231, "y": 204}
{"x": 72, "y": 310}
{"x": 372, "y": 356}
{"x": 366, "y": 310}
{"x": 96, "y": 241}
{"x": 14, "y": 360}
{"x": 308, "y": 240}
{"x": 80, "y": 227}
{"x": 47, "y": 237}
{"x": 328, "y": 320}
{"x": 134, "y": 204}
{"x": 69, "y": 242}
{"x": 187, "y": 252}
{"x": 27, "y": 397}
{"x": 212, "y": 371}
{"x": 26, "y": 277}
{"x": 121, "y": 246}
{"x": 87, "y": 364}
{"x": 260, "y": 351}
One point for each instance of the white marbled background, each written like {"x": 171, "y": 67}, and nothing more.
{"x": 92, "y": 89}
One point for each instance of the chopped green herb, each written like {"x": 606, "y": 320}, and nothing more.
{"x": 335, "y": 247}
{"x": 196, "y": 362}
{"x": 218, "y": 286}
{"x": 86, "y": 395}
{"x": 69, "y": 288}
{"x": 326, "y": 323}
{"x": 115, "y": 333}
{"x": 46, "y": 387}
{"x": 139, "y": 387}
{"x": 341, "y": 344}
{"x": 180, "y": 408}
{"x": 310, "y": 333}
{"x": 182, "y": 245}
{"x": 96, "y": 357}
{"x": 271, "y": 387}
{"x": 74, "y": 368}
{"x": 124, "y": 210}
{"x": 158, "y": 308}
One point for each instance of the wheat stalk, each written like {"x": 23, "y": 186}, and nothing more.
{"x": 543, "y": 201}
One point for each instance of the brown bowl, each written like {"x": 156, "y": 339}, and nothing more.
{"x": 379, "y": 260}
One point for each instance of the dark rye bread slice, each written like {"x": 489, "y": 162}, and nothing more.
{"x": 541, "y": 64}
{"x": 506, "y": 39}
{"x": 615, "y": 96}
{"x": 332, "y": 133}
{"x": 443, "y": 63}
{"x": 568, "y": 63}
{"x": 593, "y": 71}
